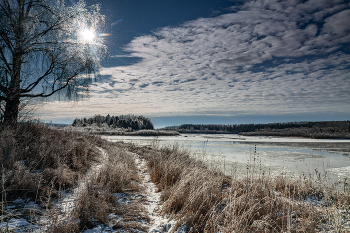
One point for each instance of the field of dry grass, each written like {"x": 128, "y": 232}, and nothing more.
{"x": 206, "y": 200}
{"x": 40, "y": 165}
{"x": 37, "y": 161}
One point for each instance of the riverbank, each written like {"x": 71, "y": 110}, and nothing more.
{"x": 47, "y": 186}
{"x": 304, "y": 129}
{"x": 105, "y": 130}
{"x": 302, "y": 132}
{"x": 205, "y": 200}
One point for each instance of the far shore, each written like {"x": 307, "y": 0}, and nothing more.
{"x": 120, "y": 131}
{"x": 94, "y": 130}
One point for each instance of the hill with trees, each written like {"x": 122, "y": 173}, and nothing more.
{"x": 127, "y": 125}
{"x": 323, "y": 129}
{"x": 124, "y": 121}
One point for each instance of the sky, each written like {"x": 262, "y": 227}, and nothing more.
{"x": 220, "y": 62}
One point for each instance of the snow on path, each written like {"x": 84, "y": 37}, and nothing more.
{"x": 153, "y": 206}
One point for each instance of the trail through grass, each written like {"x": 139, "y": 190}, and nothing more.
{"x": 152, "y": 205}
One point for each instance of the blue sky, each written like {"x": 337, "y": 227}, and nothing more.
{"x": 221, "y": 61}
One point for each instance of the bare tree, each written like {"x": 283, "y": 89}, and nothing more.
{"x": 47, "y": 48}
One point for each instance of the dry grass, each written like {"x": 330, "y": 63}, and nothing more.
{"x": 38, "y": 162}
{"x": 119, "y": 174}
{"x": 97, "y": 201}
{"x": 93, "y": 207}
{"x": 206, "y": 200}
{"x": 255, "y": 206}
{"x": 36, "y": 158}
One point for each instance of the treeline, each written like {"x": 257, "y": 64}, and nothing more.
{"x": 213, "y": 128}
{"x": 124, "y": 121}
{"x": 323, "y": 129}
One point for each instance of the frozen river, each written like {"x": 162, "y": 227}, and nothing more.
{"x": 235, "y": 154}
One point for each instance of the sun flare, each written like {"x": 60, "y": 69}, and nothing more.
{"x": 88, "y": 35}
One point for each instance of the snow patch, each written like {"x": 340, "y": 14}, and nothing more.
{"x": 17, "y": 225}
{"x": 341, "y": 172}
{"x": 99, "y": 229}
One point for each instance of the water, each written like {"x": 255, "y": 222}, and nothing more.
{"x": 274, "y": 155}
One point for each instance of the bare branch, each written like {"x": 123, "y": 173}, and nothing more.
{"x": 3, "y": 58}
{"x": 50, "y": 94}
{"x": 34, "y": 84}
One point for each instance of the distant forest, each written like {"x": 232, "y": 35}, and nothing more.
{"x": 124, "y": 121}
{"x": 322, "y": 129}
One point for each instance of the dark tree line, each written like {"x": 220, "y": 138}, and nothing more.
{"x": 213, "y": 128}
{"x": 123, "y": 121}
{"x": 323, "y": 129}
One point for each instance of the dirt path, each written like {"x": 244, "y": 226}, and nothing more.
{"x": 152, "y": 205}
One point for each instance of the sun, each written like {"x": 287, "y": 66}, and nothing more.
{"x": 88, "y": 35}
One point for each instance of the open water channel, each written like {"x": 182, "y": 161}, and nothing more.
{"x": 237, "y": 154}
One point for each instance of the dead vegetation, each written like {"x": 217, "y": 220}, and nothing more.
{"x": 39, "y": 164}
{"x": 205, "y": 200}
{"x": 37, "y": 160}
{"x": 98, "y": 201}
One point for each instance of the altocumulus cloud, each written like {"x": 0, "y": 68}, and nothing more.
{"x": 264, "y": 57}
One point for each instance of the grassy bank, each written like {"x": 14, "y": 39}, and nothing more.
{"x": 205, "y": 200}
{"x": 40, "y": 166}
{"x": 36, "y": 156}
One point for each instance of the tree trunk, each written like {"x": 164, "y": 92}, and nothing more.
{"x": 13, "y": 101}
{"x": 11, "y": 112}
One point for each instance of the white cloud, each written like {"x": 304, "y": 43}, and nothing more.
{"x": 249, "y": 62}
{"x": 338, "y": 24}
